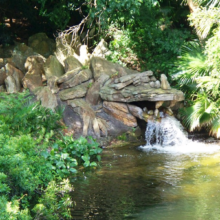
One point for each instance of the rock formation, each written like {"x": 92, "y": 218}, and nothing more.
{"x": 100, "y": 98}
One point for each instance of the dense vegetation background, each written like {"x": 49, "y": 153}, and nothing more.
{"x": 175, "y": 37}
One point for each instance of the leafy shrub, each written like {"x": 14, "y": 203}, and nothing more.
{"x": 67, "y": 153}
{"x": 22, "y": 114}
{"x": 33, "y": 161}
{"x": 151, "y": 39}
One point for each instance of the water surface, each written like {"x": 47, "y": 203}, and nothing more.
{"x": 135, "y": 183}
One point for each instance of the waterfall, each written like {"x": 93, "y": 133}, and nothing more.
{"x": 168, "y": 135}
{"x": 168, "y": 132}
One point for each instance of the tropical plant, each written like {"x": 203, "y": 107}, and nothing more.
{"x": 198, "y": 68}
{"x": 204, "y": 113}
{"x": 189, "y": 67}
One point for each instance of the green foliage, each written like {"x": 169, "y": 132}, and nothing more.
{"x": 144, "y": 34}
{"x": 66, "y": 154}
{"x": 58, "y": 12}
{"x": 23, "y": 172}
{"x": 90, "y": 85}
{"x": 204, "y": 20}
{"x": 116, "y": 11}
{"x": 195, "y": 77}
{"x": 85, "y": 151}
{"x": 189, "y": 66}
{"x": 150, "y": 40}
{"x": 84, "y": 67}
{"x": 122, "y": 137}
{"x": 212, "y": 50}
{"x": 22, "y": 114}
{"x": 120, "y": 47}
{"x": 34, "y": 161}
{"x": 197, "y": 71}
{"x": 55, "y": 197}
{"x": 202, "y": 113}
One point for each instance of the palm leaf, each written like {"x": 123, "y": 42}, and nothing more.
{"x": 208, "y": 3}
{"x": 210, "y": 84}
{"x": 201, "y": 114}
{"x": 203, "y": 19}
{"x": 215, "y": 128}
{"x": 191, "y": 64}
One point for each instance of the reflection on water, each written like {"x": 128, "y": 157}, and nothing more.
{"x": 136, "y": 184}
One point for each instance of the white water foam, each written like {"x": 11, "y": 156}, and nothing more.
{"x": 168, "y": 136}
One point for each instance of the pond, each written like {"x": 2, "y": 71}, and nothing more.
{"x": 136, "y": 184}
{"x": 180, "y": 181}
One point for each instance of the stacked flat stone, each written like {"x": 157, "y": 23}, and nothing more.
{"x": 146, "y": 79}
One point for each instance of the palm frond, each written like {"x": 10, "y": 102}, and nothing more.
{"x": 208, "y": 3}
{"x": 191, "y": 64}
{"x": 215, "y": 128}
{"x": 201, "y": 114}
{"x": 212, "y": 50}
{"x": 210, "y": 84}
{"x": 203, "y": 19}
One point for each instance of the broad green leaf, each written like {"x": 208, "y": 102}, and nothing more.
{"x": 86, "y": 164}
{"x": 98, "y": 158}
{"x": 93, "y": 164}
{"x": 72, "y": 170}
{"x": 86, "y": 158}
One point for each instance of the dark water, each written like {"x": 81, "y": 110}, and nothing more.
{"x": 136, "y": 184}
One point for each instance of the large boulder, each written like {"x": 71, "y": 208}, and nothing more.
{"x": 2, "y": 76}
{"x": 64, "y": 50}
{"x": 164, "y": 83}
{"x": 46, "y": 97}
{"x": 135, "y": 111}
{"x": 35, "y": 71}
{"x": 114, "y": 126}
{"x": 52, "y": 83}
{"x": 53, "y": 67}
{"x": 73, "y": 121}
{"x": 42, "y": 44}
{"x": 121, "y": 112}
{"x": 14, "y": 78}
{"x": 12, "y": 85}
{"x": 101, "y": 66}
{"x": 11, "y": 70}
{"x": 92, "y": 125}
{"x": 78, "y": 78}
{"x": 20, "y": 54}
{"x": 93, "y": 94}
{"x": 101, "y": 50}
{"x": 75, "y": 92}
{"x": 84, "y": 55}
{"x": 68, "y": 75}
{"x": 71, "y": 63}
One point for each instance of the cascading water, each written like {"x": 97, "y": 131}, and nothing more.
{"x": 168, "y": 135}
{"x": 168, "y": 132}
